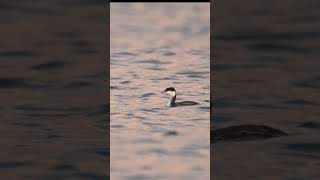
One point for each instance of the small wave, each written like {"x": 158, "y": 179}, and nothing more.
{"x": 153, "y": 61}
{"x": 147, "y": 95}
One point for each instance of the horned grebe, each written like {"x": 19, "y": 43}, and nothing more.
{"x": 172, "y": 93}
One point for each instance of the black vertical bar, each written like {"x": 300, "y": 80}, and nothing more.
{"x": 108, "y": 86}
{"x": 212, "y": 5}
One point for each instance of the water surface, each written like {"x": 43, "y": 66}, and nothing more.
{"x": 266, "y": 72}
{"x": 53, "y": 91}
{"x": 155, "y": 46}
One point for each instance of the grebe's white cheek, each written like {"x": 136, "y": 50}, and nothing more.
{"x": 171, "y": 93}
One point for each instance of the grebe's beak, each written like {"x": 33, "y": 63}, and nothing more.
{"x": 163, "y": 92}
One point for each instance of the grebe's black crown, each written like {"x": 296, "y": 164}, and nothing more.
{"x": 170, "y": 89}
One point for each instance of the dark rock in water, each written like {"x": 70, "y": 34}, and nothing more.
{"x": 245, "y": 133}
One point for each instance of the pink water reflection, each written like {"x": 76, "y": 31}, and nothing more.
{"x": 154, "y": 46}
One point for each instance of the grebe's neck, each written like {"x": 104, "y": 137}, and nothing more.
{"x": 171, "y": 103}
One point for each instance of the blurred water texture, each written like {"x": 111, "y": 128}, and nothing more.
{"x": 266, "y": 71}
{"x": 53, "y": 90}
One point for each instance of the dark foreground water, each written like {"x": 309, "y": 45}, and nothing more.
{"x": 266, "y": 71}
{"x": 52, "y": 90}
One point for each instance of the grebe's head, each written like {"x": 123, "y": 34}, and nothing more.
{"x": 170, "y": 90}
{"x": 172, "y": 93}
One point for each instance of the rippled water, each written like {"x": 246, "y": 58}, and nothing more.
{"x": 52, "y": 90}
{"x": 155, "y": 46}
{"x": 266, "y": 71}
